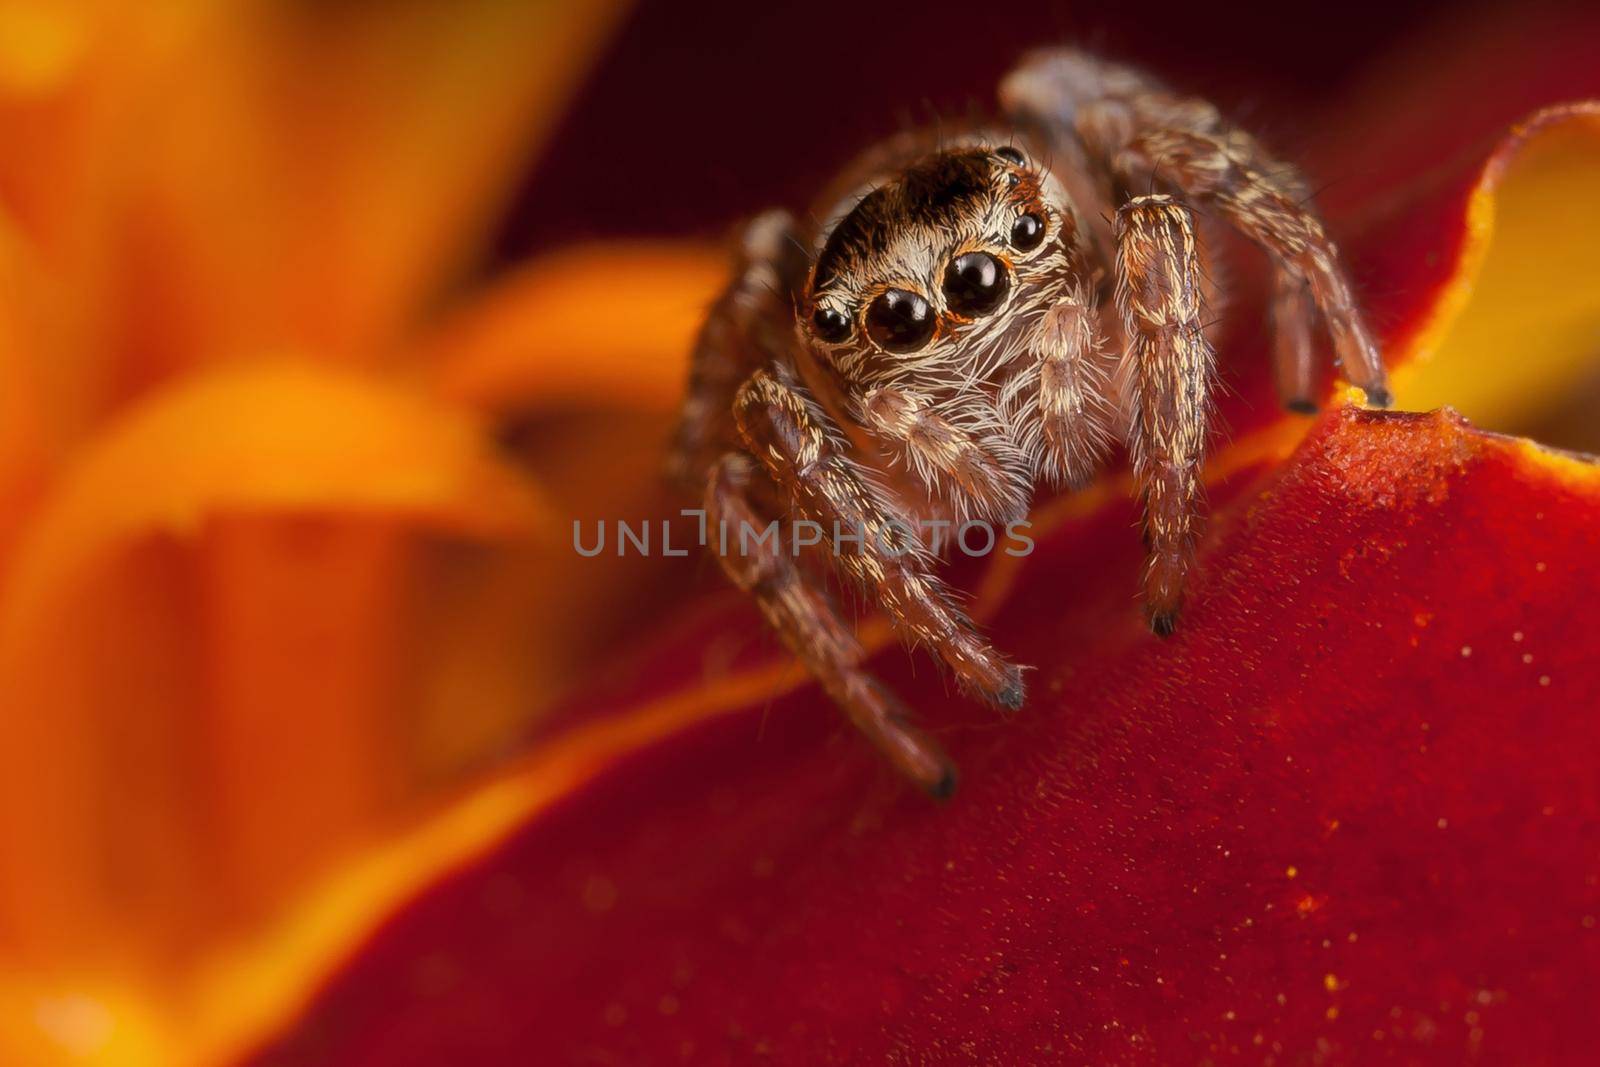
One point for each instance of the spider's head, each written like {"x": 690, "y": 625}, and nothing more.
{"x": 948, "y": 249}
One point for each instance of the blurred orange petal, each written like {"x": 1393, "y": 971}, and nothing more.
{"x": 206, "y": 457}
{"x": 211, "y": 180}
{"x": 66, "y": 70}
{"x": 511, "y": 631}
{"x": 346, "y": 158}
{"x": 602, "y": 326}
{"x": 585, "y": 347}
{"x": 22, "y": 435}
{"x": 279, "y": 436}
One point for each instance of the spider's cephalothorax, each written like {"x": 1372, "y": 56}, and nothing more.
{"x": 925, "y": 306}
{"x": 970, "y": 317}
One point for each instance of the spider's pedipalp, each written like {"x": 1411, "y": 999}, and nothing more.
{"x": 1074, "y": 407}
{"x": 970, "y": 469}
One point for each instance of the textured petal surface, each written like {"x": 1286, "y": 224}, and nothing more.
{"x": 1369, "y": 744}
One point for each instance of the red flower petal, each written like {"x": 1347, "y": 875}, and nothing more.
{"x": 1519, "y": 251}
{"x": 1349, "y": 808}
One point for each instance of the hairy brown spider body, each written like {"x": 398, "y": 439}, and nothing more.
{"x": 972, "y": 317}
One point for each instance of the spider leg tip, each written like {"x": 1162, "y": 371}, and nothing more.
{"x": 944, "y": 787}
{"x": 1163, "y": 623}
{"x": 1379, "y": 396}
{"x": 1302, "y": 406}
{"x": 1011, "y": 696}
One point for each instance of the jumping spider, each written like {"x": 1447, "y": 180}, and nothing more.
{"x": 973, "y": 315}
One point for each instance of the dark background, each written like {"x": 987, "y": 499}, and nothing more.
{"x": 704, "y": 112}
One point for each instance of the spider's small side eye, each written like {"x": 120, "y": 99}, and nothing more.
{"x": 1011, "y": 155}
{"x": 900, "y": 321}
{"x": 831, "y": 325}
{"x": 975, "y": 283}
{"x": 1027, "y": 232}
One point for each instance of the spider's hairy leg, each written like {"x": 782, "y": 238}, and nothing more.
{"x": 1218, "y": 173}
{"x": 1136, "y": 133}
{"x": 942, "y": 453}
{"x": 1293, "y": 310}
{"x": 1073, "y": 386}
{"x": 798, "y": 609}
{"x": 749, "y": 320}
{"x": 1158, "y": 297}
{"x": 793, "y": 439}
{"x": 1294, "y": 354}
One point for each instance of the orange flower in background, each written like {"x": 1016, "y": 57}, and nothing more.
{"x": 285, "y": 575}
{"x": 234, "y": 495}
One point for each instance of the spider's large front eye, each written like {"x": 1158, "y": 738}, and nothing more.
{"x": 1027, "y": 232}
{"x": 832, "y": 326}
{"x": 975, "y": 283}
{"x": 900, "y": 321}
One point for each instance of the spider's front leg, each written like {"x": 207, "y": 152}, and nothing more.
{"x": 799, "y": 610}
{"x": 1159, "y": 298}
{"x": 796, "y": 443}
